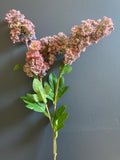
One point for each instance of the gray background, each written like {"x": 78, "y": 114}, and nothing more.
{"x": 92, "y": 130}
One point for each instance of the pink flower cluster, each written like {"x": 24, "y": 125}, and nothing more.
{"x": 35, "y": 64}
{"x": 22, "y": 30}
{"x": 84, "y": 35}
{"x": 42, "y": 53}
{"x": 52, "y": 45}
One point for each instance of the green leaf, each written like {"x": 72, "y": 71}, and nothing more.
{"x": 51, "y": 93}
{"x": 35, "y": 107}
{"x": 45, "y": 83}
{"x": 65, "y": 69}
{"x": 38, "y": 88}
{"x": 18, "y": 66}
{"x": 62, "y": 118}
{"x": 42, "y": 105}
{"x": 52, "y": 81}
{"x": 27, "y": 99}
{"x": 37, "y": 85}
{"x": 35, "y": 97}
{"x": 47, "y": 89}
{"x": 62, "y": 91}
{"x": 60, "y": 126}
{"x": 59, "y": 118}
{"x": 61, "y": 83}
{"x": 34, "y": 104}
{"x": 60, "y": 111}
{"x": 51, "y": 96}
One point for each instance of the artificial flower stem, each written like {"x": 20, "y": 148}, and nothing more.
{"x": 49, "y": 115}
{"x": 54, "y": 135}
{"x": 54, "y": 145}
{"x": 55, "y": 103}
{"x": 56, "y": 90}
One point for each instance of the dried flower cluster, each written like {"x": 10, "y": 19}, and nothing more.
{"x": 84, "y": 35}
{"x": 42, "y": 53}
{"x": 22, "y": 30}
{"x": 35, "y": 64}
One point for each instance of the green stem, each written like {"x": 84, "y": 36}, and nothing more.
{"x": 54, "y": 145}
{"x": 56, "y": 90}
{"x": 55, "y": 103}
{"x": 54, "y": 135}
{"x": 49, "y": 115}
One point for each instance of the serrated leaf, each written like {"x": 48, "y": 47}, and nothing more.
{"x": 60, "y": 111}
{"x": 62, "y": 91}
{"x": 18, "y": 66}
{"x": 62, "y": 118}
{"x": 38, "y": 88}
{"x": 65, "y": 69}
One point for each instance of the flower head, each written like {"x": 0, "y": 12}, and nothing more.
{"x": 35, "y": 45}
{"x": 84, "y": 35}
{"x": 35, "y": 64}
{"x": 22, "y": 30}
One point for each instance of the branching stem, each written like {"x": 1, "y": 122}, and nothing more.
{"x": 56, "y": 90}
{"x": 55, "y": 103}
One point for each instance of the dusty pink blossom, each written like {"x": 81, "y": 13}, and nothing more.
{"x": 52, "y": 45}
{"x": 42, "y": 53}
{"x": 16, "y": 21}
{"x": 35, "y": 45}
{"x": 15, "y": 33}
{"x": 85, "y": 34}
{"x": 14, "y": 16}
{"x": 55, "y": 43}
{"x": 32, "y": 54}
{"x": 35, "y": 64}
{"x": 70, "y": 56}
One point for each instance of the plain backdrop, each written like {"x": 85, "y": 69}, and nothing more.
{"x": 92, "y": 130}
